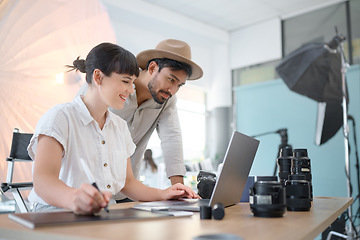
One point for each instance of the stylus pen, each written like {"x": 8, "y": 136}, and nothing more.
{"x": 91, "y": 178}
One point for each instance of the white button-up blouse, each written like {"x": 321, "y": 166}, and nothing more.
{"x": 106, "y": 151}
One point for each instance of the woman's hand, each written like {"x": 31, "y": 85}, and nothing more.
{"x": 88, "y": 200}
{"x": 177, "y": 191}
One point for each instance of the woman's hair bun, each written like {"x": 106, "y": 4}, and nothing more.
{"x": 79, "y": 64}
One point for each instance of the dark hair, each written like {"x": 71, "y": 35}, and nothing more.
{"x": 149, "y": 160}
{"x": 172, "y": 64}
{"x": 108, "y": 58}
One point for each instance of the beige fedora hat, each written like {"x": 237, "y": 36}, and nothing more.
{"x": 172, "y": 49}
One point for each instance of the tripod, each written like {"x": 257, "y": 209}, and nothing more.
{"x": 283, "y": 144}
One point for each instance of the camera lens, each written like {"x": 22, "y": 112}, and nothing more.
{"x": 267, "y": 199}
{"x": 266, "y": 178}
{"x": 298, "y": 193}
{"x": 300, "y": 164}
{"x": 284, "y": 163}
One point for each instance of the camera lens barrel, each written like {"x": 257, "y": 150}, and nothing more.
{"x": 266, "y": 178}
{"x": 298, "y": 197}
{"x": 284, "y": 163}
{"x": 205, "y": 212}
{"x": 300, "y": 164}
{"x": 267, "y": 199}
{"x": 218, "y": 211}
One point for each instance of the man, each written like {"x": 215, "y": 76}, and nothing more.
{"x": 165, "y": 69}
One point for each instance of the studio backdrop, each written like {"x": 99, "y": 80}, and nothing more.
{"x": 37, "y": 39}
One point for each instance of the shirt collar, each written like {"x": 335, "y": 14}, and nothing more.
{"x": 84, "y": 113}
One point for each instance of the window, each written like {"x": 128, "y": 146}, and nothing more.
{"x": 191, "y": 111}
{"x": 315, "y": 26}
{"x": 319, "y": 26}
{"x": 255, "y": 74}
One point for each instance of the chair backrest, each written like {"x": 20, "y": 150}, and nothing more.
{"x": 19, "y": 146}
{"x": 18, "y": 153}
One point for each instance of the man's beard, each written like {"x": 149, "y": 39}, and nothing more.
{"x": 154, "y": 94}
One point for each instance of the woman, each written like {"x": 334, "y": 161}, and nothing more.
{"x": 149, "y": 170}
{"x": 84, "y": 128}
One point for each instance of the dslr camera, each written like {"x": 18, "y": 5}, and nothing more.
{"x": 205, "y": 184}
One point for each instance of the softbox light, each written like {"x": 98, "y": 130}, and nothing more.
{"x": 319, "y": 72}
{"x": 314, "y": 70}
{"x": 329, "y": 121}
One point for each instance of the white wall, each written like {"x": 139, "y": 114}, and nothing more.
{"x": 141, "y": 25}
{"x": 255, "y": 44}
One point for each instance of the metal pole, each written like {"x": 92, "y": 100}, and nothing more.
{"x": 346, "y": 139}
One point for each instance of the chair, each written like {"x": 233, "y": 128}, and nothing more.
{"x": 18, "y": 153}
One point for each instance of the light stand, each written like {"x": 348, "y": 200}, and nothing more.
{"x": 283, "y": 144}
{"x": 315, "y": 70}
{"x": 344, "y": 65}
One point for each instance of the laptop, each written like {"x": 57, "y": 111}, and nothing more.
{"x": 230, "y": 183}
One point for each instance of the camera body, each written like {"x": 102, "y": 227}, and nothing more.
{"x": 205, "y": 184}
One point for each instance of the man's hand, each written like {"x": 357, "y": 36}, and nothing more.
{"x": 178, "y": 191}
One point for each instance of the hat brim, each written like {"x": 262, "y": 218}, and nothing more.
{"x": 145, "y": 56}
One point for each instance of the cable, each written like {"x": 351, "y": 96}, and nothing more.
{"x": 354, "y": 228}
{"x": 351, "y": 118}
{"x": 348, "y": 174}
{"x": 357, "y": 215}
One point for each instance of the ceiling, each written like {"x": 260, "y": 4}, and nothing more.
{"x": 230, "y": 15}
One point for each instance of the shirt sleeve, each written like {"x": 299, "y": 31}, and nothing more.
{"x": 169, "y": 132}
{"x": 53, "y": 124}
